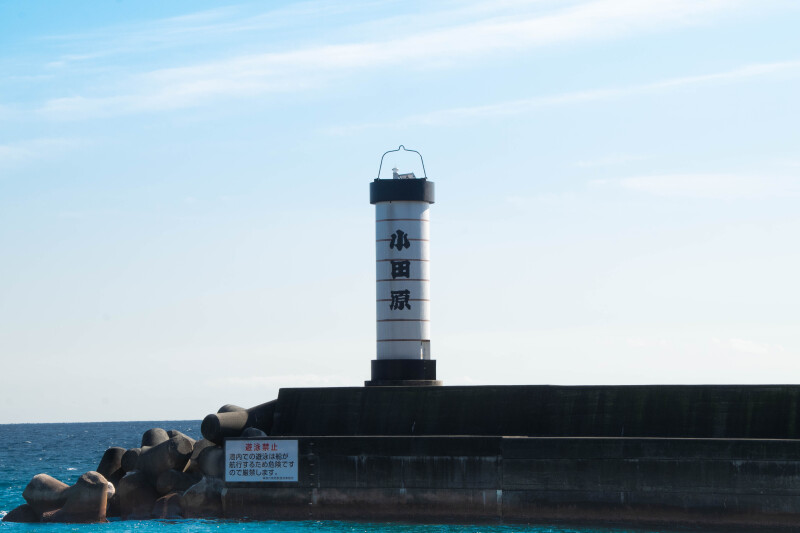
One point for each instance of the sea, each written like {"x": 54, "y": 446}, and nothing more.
{"x": 66, "y": 451}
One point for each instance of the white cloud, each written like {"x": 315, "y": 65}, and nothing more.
{"x": 705, "y": 185}
{"x": 528, "y": 105}
{"x": 6, "y": 112}
{"x": 32, "y": 149}
{"x": 610, "y": 160}
{"x": 549, "y": 199}
{"x": 191, "y": 29}
{"x": 303, "y": 68}
{"x": 787, "y": 162}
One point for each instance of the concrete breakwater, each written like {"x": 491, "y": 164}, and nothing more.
{"x": 644, "y": 455}
{"x": 646, "y": 482}
{"x": 641, "y": 455}
{"x": 170, "y": 475}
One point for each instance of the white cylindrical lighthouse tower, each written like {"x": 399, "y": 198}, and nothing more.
{"x": 402, "y": 266}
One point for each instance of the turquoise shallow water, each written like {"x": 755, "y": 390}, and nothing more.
{"x": 65, "y": 451}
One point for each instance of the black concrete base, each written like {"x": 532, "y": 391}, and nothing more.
{"x": 697, "y": 457}
{"x": 739, "y": 485}
{"x": 403, "y": 373}
{"x": 404, "y": 383}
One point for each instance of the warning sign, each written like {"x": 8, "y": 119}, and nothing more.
{"x": 260, "y": 460}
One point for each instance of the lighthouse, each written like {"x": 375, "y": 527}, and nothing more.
{"x": 402, "y": 283}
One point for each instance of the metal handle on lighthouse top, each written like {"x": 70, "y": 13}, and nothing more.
{"x": 401, "y": 147}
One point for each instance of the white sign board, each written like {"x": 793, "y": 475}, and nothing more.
{"x": 260, "y": 460}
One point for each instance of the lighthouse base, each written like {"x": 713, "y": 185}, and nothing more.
{"x": 403, "y": 373}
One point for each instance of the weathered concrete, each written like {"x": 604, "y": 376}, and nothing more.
{"x": 203, "y": 499}
{"x": 113, "y": 510}
{"x": 229, "y": 408}
{"x": 192, "y": 465}
{"x": 173, "y": 453}
{"x": 661, "y": 455}
{"x": 253, "y": 432}
{"x": 130, "y": 459}
{"x": 217, "y": 427}
{"x": 168, "y": 506}
{"x": 174, "y": 432}
{"x": 154, "y": 437}
{"x": 230, "y": 421}
{"x": 110, "y": 466}
{"x": 211, "y": 462}
{"x": 86, "y": 501}
{"x": 45, "y": 493}
{"x": 474, "y": 479}
{"x": 23, "y": 513}
{"x": 699, "y": 411}
{"x": 640, "y": 455}
{"x": 175, "y": 481}
{"x": 136, "y": 496}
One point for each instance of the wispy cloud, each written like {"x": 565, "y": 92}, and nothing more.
{"x": 193, "y": 29}
{"x": 610, "y": 160}
{"x": 787, "y": 162}
{"x": 33, "y": 149}
{"x": 528, "y": 105}
{"x": 450, "y": 45}
{"x": 5, "y": 112}
{"x": 705, "y": 185}
{"x": 544, "y": 199}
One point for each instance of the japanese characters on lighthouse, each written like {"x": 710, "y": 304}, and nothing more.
{"x": 402, "y": 274}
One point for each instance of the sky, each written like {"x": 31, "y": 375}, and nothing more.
{"x": 185, "y": 217}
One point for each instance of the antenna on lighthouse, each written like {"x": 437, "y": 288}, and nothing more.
{"x": 402, "y": 266}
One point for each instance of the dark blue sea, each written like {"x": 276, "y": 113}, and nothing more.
{"x": 65, "y": 451}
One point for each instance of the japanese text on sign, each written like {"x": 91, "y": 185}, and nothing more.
{"x": 259, "y": 460}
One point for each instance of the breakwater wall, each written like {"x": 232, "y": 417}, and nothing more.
{"x": 678, "y": 411}
{"x": 666, "y": 455}
{"x": 657, "y": 481}
{"x": 638, "y": 455}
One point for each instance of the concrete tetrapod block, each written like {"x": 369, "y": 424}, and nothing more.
{"x": 172, "y": 453}
{"x": 203, "y": 499}
{"x": 212, "y": 462}
{"x": 154, "y": 437}
{"x": 168, "y": 506}
{"x": 130, "y": 459}
{"x": 217, "y": 427}
{"x": 230, "y": 408}
{"x": 253, "y": 432}
{"x": 175, "y": 481}
{"x": 45, "y": 493}
{"x": 86, "y": 501}
{"x": 199, "y": 446}
{"x": 24, "y": 514}
{"x": 173, "y": 432}
{"x": 136, "y": 496}
{"x": 110, "y": 466}
{"x": 112, "y": 510}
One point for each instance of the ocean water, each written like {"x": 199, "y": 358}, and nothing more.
{"x": 66, "y": 451}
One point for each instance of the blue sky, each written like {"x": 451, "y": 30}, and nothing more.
{"x": 184, "y": 216}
